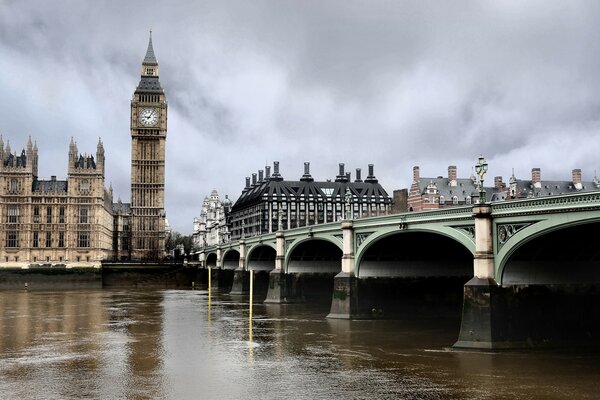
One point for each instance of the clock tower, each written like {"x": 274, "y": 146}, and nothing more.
{"x": 148, "y": 137}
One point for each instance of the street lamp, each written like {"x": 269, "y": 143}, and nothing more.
{"x": 348, "y": 198}
{"x": 481, "y": 168}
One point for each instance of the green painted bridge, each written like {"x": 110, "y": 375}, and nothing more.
{"x": 502, "y": 254}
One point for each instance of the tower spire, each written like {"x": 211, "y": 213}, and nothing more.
{"x": 150, "y": 58}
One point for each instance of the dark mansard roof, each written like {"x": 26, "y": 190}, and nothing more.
{"x": 285, "y": 190}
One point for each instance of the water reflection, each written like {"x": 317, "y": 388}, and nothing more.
{"x": 206, "y": 344}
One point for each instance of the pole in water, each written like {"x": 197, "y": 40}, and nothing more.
{"x": 209, "y": 280}
{"x": 251, "y": 289}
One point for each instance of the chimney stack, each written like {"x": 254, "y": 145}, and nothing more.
{"x": 260, "y": 175}
{"x": 416, "y": 174}
{"x": 452, "y": 175}
{"x": 348, "y": 178}
{"x": 276, "y": 176}
{"x": 358, "y": 177}
{"x": 253, "y": 179}
{"x": 342, "y": 175}
{"x": 268, "y": 172}
{"x": 306, "y": 177}
{"x": 371, "y": 177}
{"x": 247, "y": 182}
{"x": 577, "y": 179}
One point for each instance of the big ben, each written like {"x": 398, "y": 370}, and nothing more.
{"x": 148, "y": 138}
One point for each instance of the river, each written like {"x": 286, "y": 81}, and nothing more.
{"x": 187, "y": 344}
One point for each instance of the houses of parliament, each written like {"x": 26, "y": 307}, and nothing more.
{"x": 75, "y": 222}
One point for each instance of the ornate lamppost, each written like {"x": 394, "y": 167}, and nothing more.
{"x": 481, "y": 168}
{"x": 348, "y": 198}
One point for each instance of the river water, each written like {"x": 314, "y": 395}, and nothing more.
{"x": 178, "y": 344}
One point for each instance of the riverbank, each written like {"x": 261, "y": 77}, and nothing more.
{"x": 113, "y": 275}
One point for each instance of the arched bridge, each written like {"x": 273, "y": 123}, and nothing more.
{"x": 496, "y": 247}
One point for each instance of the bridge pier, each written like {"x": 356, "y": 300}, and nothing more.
{"x": 480, "y": 300}
{"x": 279, "y": 285}
{"x": 241, "y": 276}
{"x": 344, "y": 302}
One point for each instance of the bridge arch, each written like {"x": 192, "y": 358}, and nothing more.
{"x": 261, "y": 257}
{"x": 429, "y": 252}
{"x": 231, "y": 259}
{"x": 561, "y": 250}
{"x": 211, "y": 260}
{"x": 314, "y": 255}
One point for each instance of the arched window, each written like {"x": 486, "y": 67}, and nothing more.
{"x": 468, "y": 200}
{"x": 454, "y": 200}
{"x": 442, "y": 200}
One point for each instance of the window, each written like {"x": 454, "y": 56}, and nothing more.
{"x": 48, "y": 239}
{"x": 13, "y": 214}
{"x": 36, "y": 214}
{"x": 12, "y": 239}
{"x": 83, "y": 239}
{"x": 442, "y": 200}
{"x": 83, "y": 215}
{"x": 61, "y": 215}
{"x": 454, "y": 200}
{"x": 85, "y": 186}
{"x": 14, "y": 185}
{"x": 468, "y": 200}
{"x": 48, "y": 215}
{"x": 36, "y": 239}
{"x": 61, "y": 239}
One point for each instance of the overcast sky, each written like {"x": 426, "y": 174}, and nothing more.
{"x": 393, "y": 83}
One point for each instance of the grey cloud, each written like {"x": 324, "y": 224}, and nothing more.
{"x": 385, "y": 82}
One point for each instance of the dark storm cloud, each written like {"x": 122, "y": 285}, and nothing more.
{"x": 385, "y": 82}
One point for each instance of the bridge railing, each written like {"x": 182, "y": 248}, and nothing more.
{"x": 573, "y": 201}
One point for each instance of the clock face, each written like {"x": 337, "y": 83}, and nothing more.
{"x": 149, "y": 116}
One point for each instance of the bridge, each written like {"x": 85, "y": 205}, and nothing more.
{"x": 526, "y": 272}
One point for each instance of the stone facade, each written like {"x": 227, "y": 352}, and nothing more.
{"x": 54, "y": 221}
{"x": 211, "y": 228}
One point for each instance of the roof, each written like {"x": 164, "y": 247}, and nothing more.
{"x": 150, "y": 58}
{"x": 50, "y": 186}
{"x": 525, "y": 188}
{"x": 122, "y": 207}
{"x": 283, "y": 190}
{"x": 149, "y": 84}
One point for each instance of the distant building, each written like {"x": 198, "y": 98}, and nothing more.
{"x": 268, "y": 200}
{"x": 210, "y": 228}
{"x": 440, "y": 192}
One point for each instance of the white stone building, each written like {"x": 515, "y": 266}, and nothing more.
{"x": 211, "y": 226}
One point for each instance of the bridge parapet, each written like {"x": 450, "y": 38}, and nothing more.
{"x": 576, "y": 201}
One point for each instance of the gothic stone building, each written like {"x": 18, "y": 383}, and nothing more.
{"x": 54, "y": 221}
{"x": 74, "y": 221}
{"x": 304, "y": 202}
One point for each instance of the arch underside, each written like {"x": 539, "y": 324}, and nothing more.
{"x": 211, "y": 260}
{"x": 567, "y": 255}
{"x": 261, "y": 258}
{"x": 315, "y": 256}
{"x": 231, "y": 259}
{"x": 415, "y": 254}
